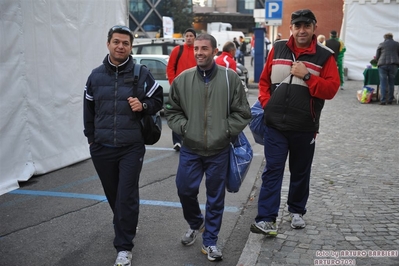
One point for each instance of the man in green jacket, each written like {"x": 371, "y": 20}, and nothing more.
{"x": 197, "y": 109}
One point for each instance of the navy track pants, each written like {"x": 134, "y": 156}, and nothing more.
{"x": 190, "y": 172}
{"x": 277, "y": 145}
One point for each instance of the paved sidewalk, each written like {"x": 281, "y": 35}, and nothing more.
{"x": 353, "y": 208}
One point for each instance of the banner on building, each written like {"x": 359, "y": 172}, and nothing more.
{"x": 168, "y": 27}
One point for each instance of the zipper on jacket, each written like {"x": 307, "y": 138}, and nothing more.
{"x": 115, "y": 102}
{"x": 206, "y": 114}
{"x": 286, "y": 98}
{"x": 312, "y": 111}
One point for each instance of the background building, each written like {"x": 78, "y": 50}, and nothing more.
{"x": 145, "y": 17}
{"x": 329, "y": 15}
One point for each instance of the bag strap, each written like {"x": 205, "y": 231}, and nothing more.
{"x": 179, "y": 55}
{"x": 136, "y": 76}
{"x": 228, "y": 93}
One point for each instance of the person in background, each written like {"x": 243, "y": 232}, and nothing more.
{"x": 278, "y": 37}
{"x": 196, "y": 110}
{"x": 252, "y": 49}
{"x": 387, "y": 56}
{"x": 338, "y": 46}
{"x": 321, "y": 39}
{"x": 237, "y": 44}
{"x": 177, "y": 64}
{"x": 292, "y": 96}
{"x": 111, "y": 115}
{"x": 226, "y": 58}
{"x": 243, "y": 50}
{"x": 267, "y": 45}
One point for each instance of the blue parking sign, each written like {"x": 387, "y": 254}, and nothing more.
{"x": 273, "y": 9}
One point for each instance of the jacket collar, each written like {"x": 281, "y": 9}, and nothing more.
{"x": 118, "y": 68}
{"x": 299, "y": 51}
{"x": 206, "y": 74}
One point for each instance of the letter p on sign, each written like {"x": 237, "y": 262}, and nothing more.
{"x": 274, "y": 10}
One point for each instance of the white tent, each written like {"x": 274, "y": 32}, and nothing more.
{"x": 364, "y": 25}
{"x": 47, "y": 50}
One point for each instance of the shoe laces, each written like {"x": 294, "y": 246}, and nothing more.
{"x": 212, "y": 248}
{"x": 265, "y": 225}
{"x": 190, "y": 232}
{"x": 296, "y": 216}
{"x": 123, "y": 254}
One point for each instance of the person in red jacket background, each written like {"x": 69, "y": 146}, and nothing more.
{"x": 180, "y": 59}
{"x": 226, "y": 58}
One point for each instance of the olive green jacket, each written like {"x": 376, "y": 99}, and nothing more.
{"x": 198, "y": 110}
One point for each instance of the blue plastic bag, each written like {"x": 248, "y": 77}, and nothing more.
{"x": 241, "y": 155}
{"x": 256, "y": 124}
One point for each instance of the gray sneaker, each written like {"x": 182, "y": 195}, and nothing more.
{"x": 266, "y": 228}
{"x": 190, "y": 236}
{"x": 214, "y": 254}
{"x": 297, "y": 221}
{"x": 124, "y": 258}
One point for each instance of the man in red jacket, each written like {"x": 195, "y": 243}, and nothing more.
{"x": 180, "y": 59}
{"x": 226, "y": 58}
{"x": 298, "y": 77}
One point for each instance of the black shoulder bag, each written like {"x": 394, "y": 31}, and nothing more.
{"x": 151, "y": 125}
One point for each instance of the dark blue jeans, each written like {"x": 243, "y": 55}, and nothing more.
{"x": 241, "y": 58}
{"x": 387, "y": 81}
{"x": 190, "y": 172}
{"x": 277, "y": 145}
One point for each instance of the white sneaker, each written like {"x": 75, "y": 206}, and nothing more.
{"x": 190, "y": 236}
{"x": 124, "y": 258}
{"x": 214, "y": 254}
{"x": 297, "y": 221}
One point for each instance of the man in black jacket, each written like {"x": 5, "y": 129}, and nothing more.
{"x": 337, "y": 45}
{"x": 112, "y": 112}
{"x": 388, "y": 63}
{"x": 243, "y": 50}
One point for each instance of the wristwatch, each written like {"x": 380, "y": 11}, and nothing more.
{"x": 306, "y": 77}
{"x": 144, "y": 106}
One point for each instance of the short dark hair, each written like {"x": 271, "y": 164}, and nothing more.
{"x": 206, "y": 36}
{"x": 190, "y": 30}
{"x": 388, "y": 36}
{"x": 122, "y": 30}
{"x": 229, "y": 46}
